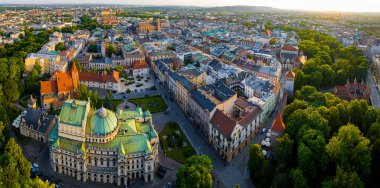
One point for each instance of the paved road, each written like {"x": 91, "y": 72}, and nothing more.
{"x": 375, "y": 95}
{"x": 103, "y": 93}
{"x": 226, "y": 174}
{"x": 229, "y": 174}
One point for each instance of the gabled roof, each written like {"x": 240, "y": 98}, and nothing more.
{"x": 49, "y": 86}
{"x": 224, "y": 124}
{"x": 290, "y": 74}
{"x": 140, "y": 65}
{"x": 64, "y": 81}
{"x": 278, "y": 125}
{"x": 102, "y": 78}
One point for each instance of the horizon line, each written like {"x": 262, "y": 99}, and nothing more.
{"x": 197, "y": 6}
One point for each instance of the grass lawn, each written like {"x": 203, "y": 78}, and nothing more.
{"x": 175, "y": 141}
{"x": 153, "y": 103}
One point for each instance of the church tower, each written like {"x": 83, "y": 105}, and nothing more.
{"x": 75, "y": 76}
{"x": 158, "y": 23}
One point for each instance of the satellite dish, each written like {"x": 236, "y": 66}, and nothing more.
{"x": 268, "y": 134}
{"x": 267, "y": 139}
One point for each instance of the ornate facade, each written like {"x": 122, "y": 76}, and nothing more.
{"x": 101, "y": 146}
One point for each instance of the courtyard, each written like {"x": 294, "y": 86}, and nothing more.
{"x": 174, "y": 143}
{"x": 134, "y": 84}
{"x": 153, "y": 103}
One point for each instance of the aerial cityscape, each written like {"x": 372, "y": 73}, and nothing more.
{"x": 188, "y": 94}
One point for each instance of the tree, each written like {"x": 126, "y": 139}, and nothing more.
{"x": 78, "y": 65}
{"x": 284, "y": 149}
{"x": 260, "y": 169}
{"x": 4, "y": 71}
{"x": 92, "y": 48}
{"x": 110, "y": 50}
{"x": 272, "y": 41}
{"x": 305, "y": 93}
{"x": 60, "y": 47}
{"x": 374, "y": 132}
{"x": 350, "y": 150}
{"x": 295, "y": 105}
{"x": 16, "y": 169}
{"x": 108, "y": 100}
{"x": 297, "y": 178}
{"x": 170, "y": 48}
{"x": 349, "y": 179}
{"x": 10, "y": 90}
{"x": 196, "y": 172}
{"x": 83, "y": 92}
{"x": 119, "y": 69}
{"x": 313, "y": 166}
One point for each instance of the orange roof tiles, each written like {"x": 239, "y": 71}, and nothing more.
{"x": 49, "y": 86}
{"x": 290, "y": 74}
{"x": 140, "y": 65}
{"x": 64, "y": 82}
{"x": 289, "y": 48}
{"x": 278, "y": 125}
{"x": 59, "y": 82}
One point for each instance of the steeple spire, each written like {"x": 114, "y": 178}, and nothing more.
{"x": 121, "y": 150}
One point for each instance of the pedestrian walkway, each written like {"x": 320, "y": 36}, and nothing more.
{"x": 375, "y": 94}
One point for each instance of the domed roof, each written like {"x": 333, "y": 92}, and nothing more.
{"x": 102, "y": 122}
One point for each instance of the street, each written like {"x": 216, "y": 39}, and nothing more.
{"x": 229, "y": 174}
{"x": 225, "y": 174}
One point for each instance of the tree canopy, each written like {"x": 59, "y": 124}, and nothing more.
{"x": 196, "y": 172}
{"x": 329, "y": 63}
{"x": 328, "y": 142}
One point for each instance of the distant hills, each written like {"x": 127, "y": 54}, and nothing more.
{"x": 247, "y": 9}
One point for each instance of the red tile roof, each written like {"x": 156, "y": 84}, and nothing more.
{"x": 102, "y": 78}
{"x": 289, "y": 48}
{"x": 64, "y": 81}
{"x": 223, "y": 123}
{"x": 290, "y": 74}
{"x": 278, "y": 125}
{"x": 59, "y": 82}
{"x": 140, "y": 65}
{"x": 49, "y": 86}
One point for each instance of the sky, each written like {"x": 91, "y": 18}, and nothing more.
{"x": 314, "y": 5}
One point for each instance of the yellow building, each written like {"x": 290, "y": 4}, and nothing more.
{"x": 47, "y": 62}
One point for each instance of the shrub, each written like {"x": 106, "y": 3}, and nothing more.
{"x": 188, "y": 152}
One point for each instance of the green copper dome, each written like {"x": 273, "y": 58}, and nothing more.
{"x": 102, "y": 122}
